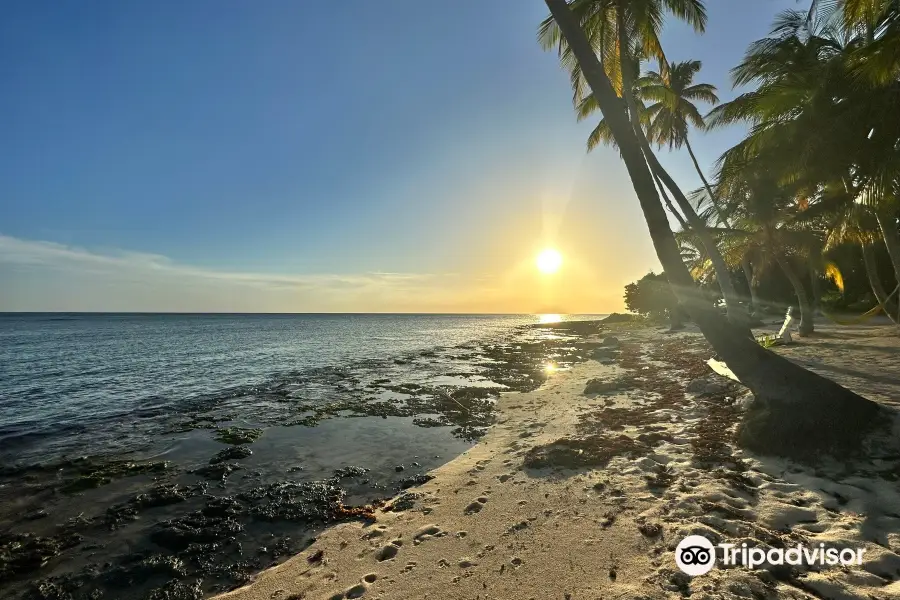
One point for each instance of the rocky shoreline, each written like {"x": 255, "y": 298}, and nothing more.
{"x": 183, "y": 525}
{"x": 585, "y": 487}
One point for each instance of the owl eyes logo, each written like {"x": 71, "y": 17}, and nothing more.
{"x": 695, "y": 555}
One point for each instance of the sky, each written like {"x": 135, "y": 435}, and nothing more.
{"x": 284, "y": 156}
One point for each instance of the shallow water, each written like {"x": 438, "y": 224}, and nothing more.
{"x": 64, "y": 375}
{"x": 397, "y": 395}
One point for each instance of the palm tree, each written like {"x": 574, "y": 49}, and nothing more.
{"x": 830, "y": 127}
{"x": 878, "y": 21}
{"x": 782, "y": 420}
{"x": 857, "y": 225}
{"x": 623, "y": 32}
{"x": 674, "y": 110}
{"x": 764, "y": 224}
{"x": 609, "y": 25}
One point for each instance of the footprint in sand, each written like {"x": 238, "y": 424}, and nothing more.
{"x": 386, "y": 552}
{"x": 475, "y": 506}
{"x": 377, "y": 532}
{"x": 427, "y": 532}
{"x": 356, "y": 591}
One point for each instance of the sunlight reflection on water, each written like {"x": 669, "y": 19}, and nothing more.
{"x": 549, "y": 318}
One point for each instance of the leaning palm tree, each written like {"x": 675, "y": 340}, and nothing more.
{"x": 673, "y": 112}
{"x": 622, "y": 33}
{"x": 782, "y": 420}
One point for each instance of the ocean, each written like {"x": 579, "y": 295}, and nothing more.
{"x": 99, "y": 412}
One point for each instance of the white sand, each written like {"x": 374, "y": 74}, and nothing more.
{"x": 487, "y": 527}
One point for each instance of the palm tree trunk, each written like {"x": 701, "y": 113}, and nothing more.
{"x": 888, "y": 225}
{"x": 723, "y": 276}
{"x": 747, "y": 268}
{"x": 732, "y": 300}
{"x": 815, "y": 259}
{"x": 665, "y": 197}
{"x": 796, "y": 412}
{"x": 712, "y": 197}
{"x": 806, "y": 314}
{"x": 875, "y": 281}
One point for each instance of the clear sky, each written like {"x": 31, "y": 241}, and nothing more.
{"x": 289, "y": 156}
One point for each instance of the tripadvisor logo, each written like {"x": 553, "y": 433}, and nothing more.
{"x": 696, "y": 555}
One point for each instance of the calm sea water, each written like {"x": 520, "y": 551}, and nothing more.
{"x": 357, "y": 405}
{"x": 79, "y": 383}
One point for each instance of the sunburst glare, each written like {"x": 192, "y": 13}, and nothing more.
{"x": 549, "y": 261}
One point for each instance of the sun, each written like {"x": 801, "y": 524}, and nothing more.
{"x": 549, "y": 261}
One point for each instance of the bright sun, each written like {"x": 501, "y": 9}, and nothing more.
{"x": 549, "y": 261}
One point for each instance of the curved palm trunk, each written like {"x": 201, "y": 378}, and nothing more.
{"x": 890, "y": 309}
{"x": 806, "y": 314}
{"x": 796, "y": 412}
{"x": 732, "y": 300}
{"x": 723, "y": 276}
{"x": 665, "y": 197}
{"x": 888, "y": 225}
{"x": 747, "y": 268}
{"x": 712, "y": 197}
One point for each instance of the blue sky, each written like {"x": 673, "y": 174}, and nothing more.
{"x": 283, "y": 155}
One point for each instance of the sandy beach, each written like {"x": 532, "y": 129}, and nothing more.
{"x": 585, "y": 486}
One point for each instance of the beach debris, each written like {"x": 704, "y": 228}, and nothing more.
{"x": 350, "y": 471}
{"x": 706, "y": 386}
{"x": 590, "y": 451}
{"x": 233, "y": 453}
{"x": 605, "y": 355}
{"x": 88, "y": 473}
{"x": 404, "y": 501}
{"x": 599, "y": 386}
{"x": 25, "y": 552}
{"x": 217, "y": 470}
{"x": 139, "y": 569}
{"x": 194, "y": 528}
{"x": 408, "y": 482}
{"x": 178, "y": 590}
{"x": 237, "y": 435}
{"x": 162, "y": 495}
{"x": 650, "y": 529}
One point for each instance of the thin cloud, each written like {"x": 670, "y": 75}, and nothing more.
{"x": 44, "y": 275}
{"x": 53, "y": 255}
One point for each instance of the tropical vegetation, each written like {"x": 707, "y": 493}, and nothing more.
{"x": 816, "y": 175}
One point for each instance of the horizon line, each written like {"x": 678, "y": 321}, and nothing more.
{"x": 106, "y": 312}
